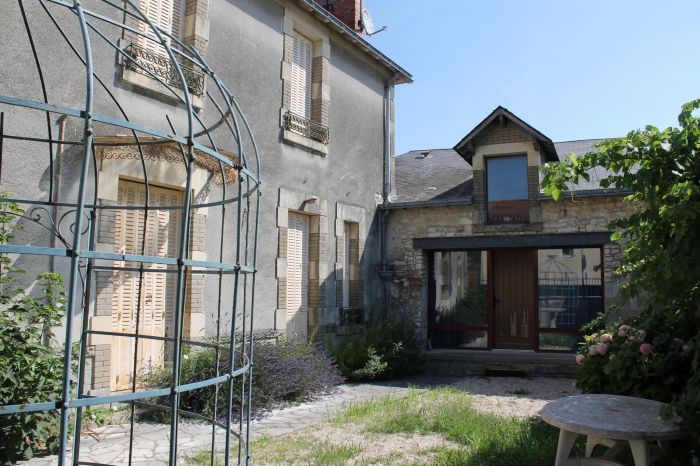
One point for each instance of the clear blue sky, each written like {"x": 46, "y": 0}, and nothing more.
{"x": 572, "y": 69}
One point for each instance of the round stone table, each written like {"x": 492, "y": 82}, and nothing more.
{"x": 608, "y": 420}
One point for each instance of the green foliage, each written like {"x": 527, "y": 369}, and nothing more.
{"x": 660, "y": 171}
{"x": 378, "y": 351}
{"x": 31, "y": 367}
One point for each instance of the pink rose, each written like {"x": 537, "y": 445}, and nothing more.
{"x": 579, "y": 359}
{"x": 686, "y": 348}
{"x": 645, "y": 349}
{"x": 593, "y": 350}
{"x": 605, "y": 338}
{"x": 626, "y": 328}
{"x": 622, "y": 333}
{"x": 602, "y": 349}
{"x": 641, "y": 335}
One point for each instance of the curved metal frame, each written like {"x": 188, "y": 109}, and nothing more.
{"x": 78, "y": 245}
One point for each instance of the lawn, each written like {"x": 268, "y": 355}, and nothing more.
{"x": 436, "y": 426}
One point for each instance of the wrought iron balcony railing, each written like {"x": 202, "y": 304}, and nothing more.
{"x": 145, "y": 61}
{"x": 306, "y": 127}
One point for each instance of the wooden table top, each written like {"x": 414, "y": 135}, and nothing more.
{"x": 611, "y": 416}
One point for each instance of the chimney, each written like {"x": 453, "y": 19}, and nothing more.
{"x": 347, "y": 11}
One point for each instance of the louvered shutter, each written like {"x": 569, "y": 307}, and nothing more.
{"x": 166, "y": 14}
{"x": 158, "y": 295}
{"x": 301, "y": 76}
{"x": 297, "y": 274}
{"x": 346, "y": 266}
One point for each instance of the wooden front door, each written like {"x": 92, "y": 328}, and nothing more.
{"x": 156, "y": 302}
{"x": 514, "y": 298}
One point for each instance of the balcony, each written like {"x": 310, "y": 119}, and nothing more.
{"x": 306, "y": 127}
{"x": 149, "y": 63}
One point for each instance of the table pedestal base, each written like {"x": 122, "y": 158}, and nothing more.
{"x": 640, "y": 451}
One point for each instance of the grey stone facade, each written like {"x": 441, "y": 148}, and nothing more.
{"x": 247, "y": 43}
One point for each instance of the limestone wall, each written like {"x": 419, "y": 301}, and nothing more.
{"x": 409, "y": 289}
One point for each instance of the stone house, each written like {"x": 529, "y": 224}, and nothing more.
{"x": 319, "y": 100}
{"x": 481, "y": 259}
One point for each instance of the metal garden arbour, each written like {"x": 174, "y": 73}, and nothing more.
{"x": 199, "y": 144}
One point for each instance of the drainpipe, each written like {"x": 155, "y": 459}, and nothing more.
{"x": 385, "y": 273}
{"x": 57, "y": 183}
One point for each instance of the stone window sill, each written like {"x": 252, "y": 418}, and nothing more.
{"x": 296, "y": 139}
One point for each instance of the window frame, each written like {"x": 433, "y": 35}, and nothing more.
{"x": 518, "y": 220}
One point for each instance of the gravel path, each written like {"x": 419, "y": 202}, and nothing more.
{"x": 503, "y": 396}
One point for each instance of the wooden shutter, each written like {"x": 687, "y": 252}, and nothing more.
{"x": 297, "y": 274}
{"x": 166, "y": 14}
{"x": 301, "y": 76}
{"x": 346, "y": 265}
{"x": 158, "y": 295}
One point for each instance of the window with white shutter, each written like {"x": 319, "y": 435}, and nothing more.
{"x": 167, "y": 15}
{"x": 302, "y": 76}
{"x": 297, "y": 273}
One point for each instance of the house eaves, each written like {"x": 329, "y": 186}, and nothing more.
{"x": 466, "y": 146}
{"x": 401, "y": 76}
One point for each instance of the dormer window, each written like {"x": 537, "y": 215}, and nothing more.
{"x": 506, "y": 189}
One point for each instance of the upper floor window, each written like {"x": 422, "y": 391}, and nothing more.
{"x": 302, "y": 76}
{"x": 305, "y": 82}
{"x": 148, "y": 65}
{"x": 167, "y": 15}
{"x": 506, "y": 189}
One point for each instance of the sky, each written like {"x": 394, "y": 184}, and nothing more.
{"x": 572, "y": 69}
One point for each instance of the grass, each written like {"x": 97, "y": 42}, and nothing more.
{"x": 436, "y": 426}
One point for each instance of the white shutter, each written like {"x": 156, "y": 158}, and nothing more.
{"x": 346, "y": 266}
{"x": 297, "y": 274}
{"x": 157, "y": 297}
{"x": 167, "y": 15}
{"x": 301, "y": 76}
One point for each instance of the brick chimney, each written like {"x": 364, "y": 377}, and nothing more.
{"x": 348, "y": 11}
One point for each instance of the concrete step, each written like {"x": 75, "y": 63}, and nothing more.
{"x": 499, "y": 362}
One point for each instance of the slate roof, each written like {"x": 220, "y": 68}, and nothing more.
{"x": 444, "y": 176}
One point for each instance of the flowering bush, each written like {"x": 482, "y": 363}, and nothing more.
{"x": 283, "y": 371}
{"x": 645, "y": 362}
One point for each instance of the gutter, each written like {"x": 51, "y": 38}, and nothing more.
{"x": 426, "y": 204}
{"x": 385, "y": 273}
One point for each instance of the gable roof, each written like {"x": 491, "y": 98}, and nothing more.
{"x": 465, "y": 147}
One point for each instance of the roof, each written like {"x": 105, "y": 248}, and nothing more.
{"x": 442, "y": 175}
{"x": 465, "y": 147}
{"x": 401, "y": 76}
{"x": 445, "y": 178}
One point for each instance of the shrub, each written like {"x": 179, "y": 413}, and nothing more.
{"x": 283, "y": 371}
{"x": 31, "y": 367}
{"x": 378, "y": 351}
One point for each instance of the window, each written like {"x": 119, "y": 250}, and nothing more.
{"x": 302, "y": 70}
{"x": 506, "y": 189}
{"x": 305, "y": 81}
{"x": 459, "y": 309}
{"x": 570, "y": 290}
{"x": 167, "y": 15}
{"x": 149, "y": 66}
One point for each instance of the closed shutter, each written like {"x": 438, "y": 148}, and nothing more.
{"x": 166, "y": 14}
{"x": 297, "y": 274}
{"x": 157, "y": 301}
{"x": 346, "y": 266}
{"x": 301, "y": 76}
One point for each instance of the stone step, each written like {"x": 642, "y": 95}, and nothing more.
{"x": 448, "y": 362}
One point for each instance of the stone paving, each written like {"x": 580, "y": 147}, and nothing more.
{"x": 109, "y": 445}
